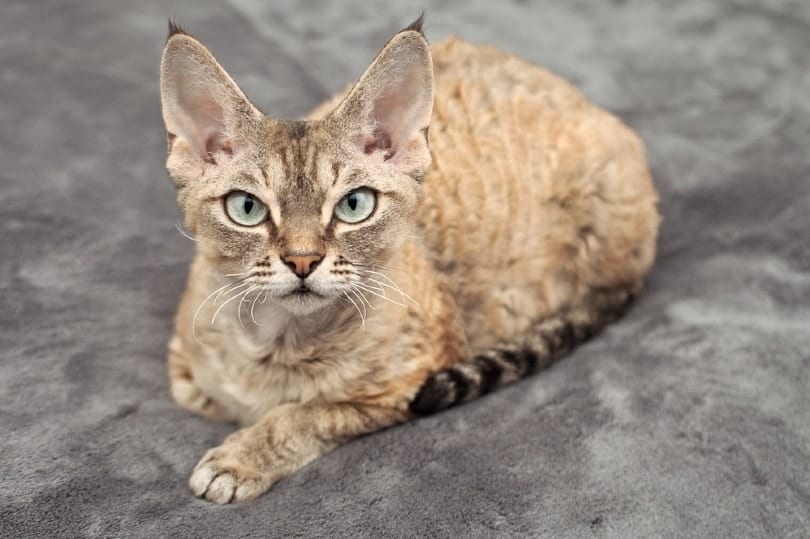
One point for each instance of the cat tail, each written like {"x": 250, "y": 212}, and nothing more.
{"x": 495, "y": 368}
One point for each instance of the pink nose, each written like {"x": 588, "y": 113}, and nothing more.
{"x": 302, "y": 265}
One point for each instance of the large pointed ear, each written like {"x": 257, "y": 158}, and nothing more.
{"x": 207, "y": 116}
{"x": 388, "y": 110}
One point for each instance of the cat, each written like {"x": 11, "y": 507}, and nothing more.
{"x": 454, "y": 221}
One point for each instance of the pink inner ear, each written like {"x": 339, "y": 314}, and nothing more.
{"x": 216, "y": 144}
{"x": 204, "y": 126}
{"x": 395, "y": 114}
{"x": 380, "y": 140}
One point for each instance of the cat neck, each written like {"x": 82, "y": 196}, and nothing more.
{"x": 278, "y": 327}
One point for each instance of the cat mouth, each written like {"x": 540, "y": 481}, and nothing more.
{"x": 303, "y": 291}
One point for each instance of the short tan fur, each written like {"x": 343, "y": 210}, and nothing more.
{"x": 510, "y": 220}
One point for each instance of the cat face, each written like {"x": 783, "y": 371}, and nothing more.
{"x": 301, "y": 212}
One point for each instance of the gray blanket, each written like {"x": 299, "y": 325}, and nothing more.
{"x": 690, "y": 417}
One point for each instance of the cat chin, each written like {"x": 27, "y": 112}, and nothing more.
{"x": 303, "y": 305}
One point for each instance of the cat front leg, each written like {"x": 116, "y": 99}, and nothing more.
{"x": 287, "y": 438}
{"x": 185, "y": 390}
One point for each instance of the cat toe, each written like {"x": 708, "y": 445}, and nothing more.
{"x": 221, "y": 479}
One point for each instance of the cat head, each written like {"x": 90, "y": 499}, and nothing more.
{"x": 301, "y": 210}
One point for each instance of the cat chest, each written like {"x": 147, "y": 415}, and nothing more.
{"x": 250, "y": 386}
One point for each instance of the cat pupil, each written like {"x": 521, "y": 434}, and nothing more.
{"x": 352, "y": 202}
{"x": 248, "y": 204}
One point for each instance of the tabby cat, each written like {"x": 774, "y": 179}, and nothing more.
{"x": 354, "y": 270}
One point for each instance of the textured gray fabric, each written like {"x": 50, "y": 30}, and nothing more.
{"x": 690, "y": 417}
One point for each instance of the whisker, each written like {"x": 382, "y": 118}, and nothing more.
{"x": 362, "y": 303}
{"x": 224, "y": 289}
{"x": 362, "y": 317}
{"x": 376, "y": 288}
{"x": 342, "y": 300}
{"x": 241, "y": 301}
{"x": 395, "y": 289}
{"x": 238, "y": 274}
{"x": 363, "y": 296}
{"x": 383, "y": 296}
{"x": 253, "y": 306}
{"x": 230, "y": 299}
{"x": 376, "y": 266}
{"x": 393, "y": 285}
{"x": 182, "y": 231}
{"x": 197, "y": 312}
{"x": 237, "y": 285}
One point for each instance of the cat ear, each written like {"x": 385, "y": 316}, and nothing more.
{"x": 389, "y": 109}
{"x": 205, "y": 112}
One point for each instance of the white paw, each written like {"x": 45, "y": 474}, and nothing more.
{"x": 223, "y": 477}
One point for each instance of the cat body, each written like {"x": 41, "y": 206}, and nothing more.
{"x": 532, "y": 228}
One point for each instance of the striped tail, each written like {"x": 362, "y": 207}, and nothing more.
{"x": 488, "y": 371}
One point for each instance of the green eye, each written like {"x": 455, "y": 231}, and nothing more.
{"x": 356, "y": 206}
{"x": 245, "y": 209}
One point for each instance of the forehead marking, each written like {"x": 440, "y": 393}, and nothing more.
{"x": 335, "y": 171}
{"x": 298, "y": 129}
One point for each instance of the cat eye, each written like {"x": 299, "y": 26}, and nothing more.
{"x": 356, "y": 206}
{"x": 245, "y": 209}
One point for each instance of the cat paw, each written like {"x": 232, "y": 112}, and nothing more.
{"x": 223, "y": 476}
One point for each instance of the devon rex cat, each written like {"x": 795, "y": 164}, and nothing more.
{"x": 355, "y": 270}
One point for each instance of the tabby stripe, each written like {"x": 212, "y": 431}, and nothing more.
{"x": 484, "y": 373}
{"x": 491, "y": 372}
{"x": 514, "y": 361}
{"x": 453, "y": 386}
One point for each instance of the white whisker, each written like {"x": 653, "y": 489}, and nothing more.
{"x": 383, "y": 296}
{"x": 241, "y": 301}
{"x": 360, "y": 290}
{"x": 197, "y": 312}
{"x": 183, "y": 232}
{"x": 376, "y": 288}
{"x": 239, "y": 284}
{"x": 224, "y": 303}
{"x": 362, "y": 303}
{"x": 253, "y": 306}
{"x": 392, "y": 286}
{"x": 362, "y": 316}
{"x": 376, "y": 266}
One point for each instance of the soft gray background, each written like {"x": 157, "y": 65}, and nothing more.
{"x": 690, "y": 417}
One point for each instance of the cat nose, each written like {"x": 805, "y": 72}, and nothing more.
{"x": 302, "y": 265}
